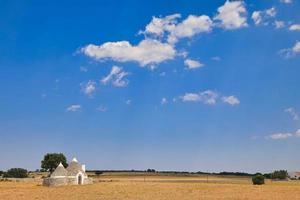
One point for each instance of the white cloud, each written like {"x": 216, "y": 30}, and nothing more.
{"x": 279, "y": 24}
{"x": 169, "y": 26}
{"x": 193, "y": 64}
{"x": 163, "y": 101}
{"x": 74, "y": 108}
{"x": 286, "y": 1}
{"x": 159, "y": 25}
{"x": 271, "y": 12}
{"x": 257, "y": 18}
{"x": 232, "y": 15}
{"x": 280, "y": 136}
{"x": 189, "y": 27}
{"x": 290, "y": 52}
{"x": 89, "y": 88}
{"x": 101, "y": 108}
{"x": 294, "y": 27}
{"x": 148, "y": 51}
{"x": 232, "y": 100}
{"x": 116, "y": 77}
{"x": 262, "y": 17}
{"x": 292, "y": 112}
{"x": 208, "y": 97}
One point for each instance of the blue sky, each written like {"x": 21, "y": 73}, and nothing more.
{"x": 170, "y": 85}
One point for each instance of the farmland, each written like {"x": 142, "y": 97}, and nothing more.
{"x": 127, "y": 186}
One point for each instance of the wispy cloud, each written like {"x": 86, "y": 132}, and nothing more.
{"x": 89, "y": 88}
{"x": 117, "y": 77}
{"x": 163, "y": 101}
{"x": 263, "y": 17}
{"x": 286, "y": 1}
{"x": 209, "y": 97}
{"x": 292, "y": 112}
{"x": 102, "y": 108}
{"x": 232, "y": 100}
{"x": 290, "y": 52}
{"x": 74, "y": 108}
{"x": 193, "y": 64}
{"x": 283, "y": 136}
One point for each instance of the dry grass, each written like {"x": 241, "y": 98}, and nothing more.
{"x": 119, "y": 187}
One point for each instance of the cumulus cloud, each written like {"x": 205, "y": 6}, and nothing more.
{"x": 193, "y": 64}
{"x": 290, "y": 52}
{"x": 294, "y": 27}
{"x": 116, "y": 77}
{"x": 232, "y": 15}
{"x": 73, "y": 108}
{"x": 282, "y": 136}
{"x": 160, "y": 25}
{"x": 169, "y": 28}
{"x": 262, "y": 17}
{"x": 148, "y": 51}
{"x": 89, "y": 88}
{"x": 286, "y": 1}
{"x": 208, "y": 97}
{"x": 292, "y": 112}
{"x": 232, "y": 100}
{"x": 189, "y": 27}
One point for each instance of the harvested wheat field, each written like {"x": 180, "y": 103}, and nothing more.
{"x": 152, "y": 188}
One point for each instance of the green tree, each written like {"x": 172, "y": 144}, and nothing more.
{"x": 52, "y": 160}
{"x": 279, "y": 174}
{"x": 258, "y": 179}
{"x": 16, "y": 173}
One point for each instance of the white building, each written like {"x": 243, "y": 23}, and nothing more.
{"x": 74, "y": 174}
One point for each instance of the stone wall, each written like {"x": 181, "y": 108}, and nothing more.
{"x": 53, "y": 182}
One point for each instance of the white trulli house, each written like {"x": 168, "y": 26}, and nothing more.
{"x": 74, "y": 174}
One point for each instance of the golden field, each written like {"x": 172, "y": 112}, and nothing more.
{"x": 151, "y": 187}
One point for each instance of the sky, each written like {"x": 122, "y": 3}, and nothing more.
{"x": 169, "y": 85}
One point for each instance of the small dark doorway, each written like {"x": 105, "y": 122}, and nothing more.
{"x": 79, "y": 179}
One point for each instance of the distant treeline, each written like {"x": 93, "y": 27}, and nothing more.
{"x": 175, "y": 172}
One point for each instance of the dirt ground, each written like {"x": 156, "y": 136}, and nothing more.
{"x": 160, "y": 188}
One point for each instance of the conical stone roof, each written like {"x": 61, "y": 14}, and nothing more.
{"x": 59, "y": 171}
{"x": 74, "y": 168}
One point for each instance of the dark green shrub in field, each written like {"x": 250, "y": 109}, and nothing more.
{"x": 16, "y": 173}
{"x": 258, "y": 179}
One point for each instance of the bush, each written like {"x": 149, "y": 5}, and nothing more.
{"x": 1, "y": 173}
{"x": 258, "y": 179}
{"x": 16, "y": 173}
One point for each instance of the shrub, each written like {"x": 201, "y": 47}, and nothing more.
{"x": 16, "y": 173}
{"x": 258, "y": 179}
